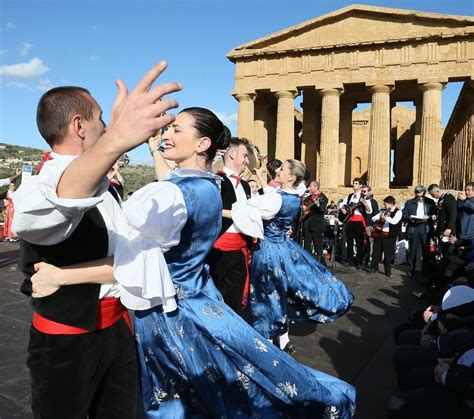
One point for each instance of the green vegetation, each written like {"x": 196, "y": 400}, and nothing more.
{"x": 134, "y": 176}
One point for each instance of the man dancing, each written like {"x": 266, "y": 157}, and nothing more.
{"x": 229, "y": 257}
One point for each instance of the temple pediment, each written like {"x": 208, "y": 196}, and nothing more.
{"x": 358, "y": 25}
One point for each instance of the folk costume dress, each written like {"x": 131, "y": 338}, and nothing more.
{"x": 199, "y": 359}
{"x": 287, "y": 283}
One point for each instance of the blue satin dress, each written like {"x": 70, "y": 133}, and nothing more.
{"x": 203, "y": 360}
{"x": 287, "y": 283}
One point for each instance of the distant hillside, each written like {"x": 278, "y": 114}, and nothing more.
{"x": 14, "y": 156}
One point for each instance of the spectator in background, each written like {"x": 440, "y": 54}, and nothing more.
{"x": 7, "y": 181}
{"x": 272, "y": 168}
{"x": 254, "y": 187}
{"x": 465, "y": 207}
{"x": 445, "y": 216}
{"x": 9, "y": 235}
{"x": 417, "y": 214}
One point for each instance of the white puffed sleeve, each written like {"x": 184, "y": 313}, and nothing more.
{"x": 156, "y": 215}
{"x": 41, "y": 217}
{"x": 248, "y": 216}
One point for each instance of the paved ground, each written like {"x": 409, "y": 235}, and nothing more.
{"x": 356, "y": 348}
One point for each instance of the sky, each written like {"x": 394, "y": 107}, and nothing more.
{"x": 91, "y": 43}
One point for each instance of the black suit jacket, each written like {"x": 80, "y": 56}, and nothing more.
{"x": 446, "y": 212}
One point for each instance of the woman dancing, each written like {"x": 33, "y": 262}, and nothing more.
{"x": 201, "y": 359}
{"x": 287, "y": 283}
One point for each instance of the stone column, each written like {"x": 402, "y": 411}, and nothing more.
{"x": 329, "y": 152}
{"x": 430, "y": 141}
{"x": 285, "y": 147}
{"x": 261, "y": 122}
{"x": 245, "y": 121}
{"x": 345, "y": 143}
{"x": 311, "y": 135}
{"x": 379, "y": 138}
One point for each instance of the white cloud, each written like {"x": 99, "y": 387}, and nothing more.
{"x": 32, "y": 69}
{"x": 25, "y": 49}
{"x": 228, "y": 119}
{"x": 44, "y": 84}
{"x": 8, "y": 26}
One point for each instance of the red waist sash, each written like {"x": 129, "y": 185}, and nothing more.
{"x": 109, "y": 312}
{"x": 236, "y": 241}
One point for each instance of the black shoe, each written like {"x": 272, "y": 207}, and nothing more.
{"x": 289, "y": 348}
{"x": 388, "y": 275}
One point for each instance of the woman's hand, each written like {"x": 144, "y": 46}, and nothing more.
{"x": 46, "y": 280}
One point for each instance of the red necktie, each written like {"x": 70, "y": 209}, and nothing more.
{"x": 46, "y": 157}
{"x": 237, "y": 180}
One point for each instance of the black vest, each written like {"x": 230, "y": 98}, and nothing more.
{"x": 228, "y": 198}
{"x": 395, "y": 230}
{"x": 74, "y": 305}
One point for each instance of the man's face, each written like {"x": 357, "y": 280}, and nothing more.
{"x": 356, "y": 185}
{"x": 364, "y": 191}
{"x": 419, "y": 195}
{"x": 313, "y": 188}
{"x": 435, "y": 193}
{"x": 240, "y": 158}
{"x": 95, "y": 127}
{"x": 469, "y": 192}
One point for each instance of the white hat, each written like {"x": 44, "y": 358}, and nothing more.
{"x": 456, "y": 296}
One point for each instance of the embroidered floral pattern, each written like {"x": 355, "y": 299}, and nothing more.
{"x": 243, "y": 381}
{"x": 288, "y": 389}
{"x": 331, "y": 412}
{"x": 158, "y": 396}
{"x": 260, "y": 345}
{"x": 248, "y": 370}
{"x": 212, "y": 310}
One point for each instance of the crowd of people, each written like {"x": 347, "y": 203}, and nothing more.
{"x": 215, "y": 267}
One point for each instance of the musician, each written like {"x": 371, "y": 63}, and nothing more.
{"x": 417, "y": 214}
{"x": 355, "y": 207}
{"x": 314, "y": 224}
{"x": 229, "y": 257}
{"x": 366, "y": 191}
{"x": 386, "y": 228}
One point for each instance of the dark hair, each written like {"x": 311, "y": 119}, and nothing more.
{"x": 433, "y": 186}
{"x": 56, "y": 108}
{"x": 272, "y": 166}
{"x": 238, "y": 141}
{"x": 369, "y": 189}
{"x": 207, "y": 124}
{"x": 471, "y": 184}
{"x": 390, "y": 200}
{"x": 356, "y": 179}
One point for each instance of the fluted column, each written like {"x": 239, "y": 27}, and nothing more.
{"x": 379, "y": 138}
{"x": 261, "y": 120}
{"x": 329, "y": 151}
{"x": 311, "y": 135}
{"x": 245, "y": 121}
{"x": 285, "y": 132}
{"x": 430, "y": 141}
{"x": 345, "y": 143}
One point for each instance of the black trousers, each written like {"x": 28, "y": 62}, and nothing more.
{"x": 418, "y": 244}
{"x": 354, "y": 231}
{"x": 385, "y": 245}
{"x": 93, "y": 374}
{"x": 313, "y": 238}
{"x": 228, "y": 270}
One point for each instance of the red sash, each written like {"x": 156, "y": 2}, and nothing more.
{"x": 110, "y": 311}
{"x": 236, "y": 241}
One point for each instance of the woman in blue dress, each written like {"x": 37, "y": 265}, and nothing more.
{"x": 287, "y": 284}
{"x": 198, "y": 358}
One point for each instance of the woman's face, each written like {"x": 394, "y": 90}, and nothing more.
{"x": 284, "y": 175}
{"x": 181, "y": 140}
{"x": 12, "y": 186}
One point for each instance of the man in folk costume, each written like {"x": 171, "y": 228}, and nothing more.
{"x": 229, "y": 258}
{"x": 81, "y": 354}
{"x": 355, "y": 227}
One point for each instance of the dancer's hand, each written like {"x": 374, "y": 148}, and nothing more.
{"x": 46, "y": 280}
{"x": 139, "y": 114}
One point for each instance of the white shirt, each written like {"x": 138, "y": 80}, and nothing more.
{"x": 41, "y": 217}
{"x": 248, "y": 216}
{"x": 354, "y": 199}
{"x": 420, "y": 209}
{"x": 389, "y": 220}
{"x": 5, "y": 182}
{"x": 240, "y": 194}
{"x": 156, "y": 215}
